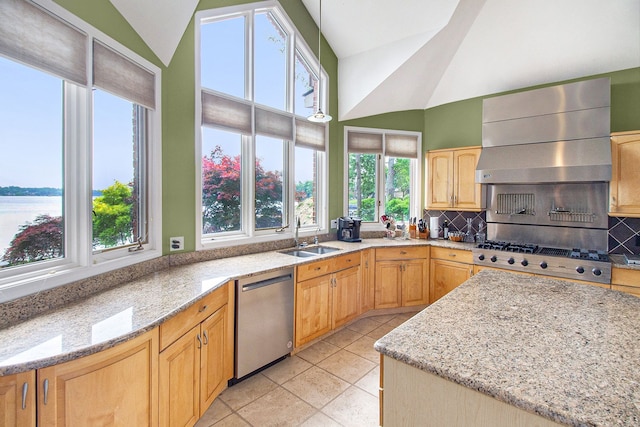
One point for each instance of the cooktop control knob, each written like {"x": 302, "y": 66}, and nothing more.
{"x": 494, "y": 258}
{"x": 543, "y": 264}
{"x": 580, "y": 269}
{"x": 596, "y": 272}
{"x": 511, "y": 260}
{"x": 524, "y": 262}
{"x": 481, "y": 257}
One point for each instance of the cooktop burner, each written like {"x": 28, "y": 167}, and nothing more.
{"x": 530, "y": 248}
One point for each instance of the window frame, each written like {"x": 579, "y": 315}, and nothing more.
{"x": 295, "y": 42}
{"x": 415, "y": 171}
{"x": 80, "y": 260}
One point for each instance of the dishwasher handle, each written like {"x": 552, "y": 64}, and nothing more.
{"x": 262, "y": 283}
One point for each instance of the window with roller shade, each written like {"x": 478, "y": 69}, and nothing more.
{"x": 255, "y": 89}
{"x": 76, "y": 193}
{"x": 382, "y": 172}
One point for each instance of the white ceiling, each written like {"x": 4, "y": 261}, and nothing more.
{"x": 415, "y": 54}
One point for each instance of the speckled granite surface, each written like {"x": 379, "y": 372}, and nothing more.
{"x": 565, "y": 351}
{"x": 118, "y": 313}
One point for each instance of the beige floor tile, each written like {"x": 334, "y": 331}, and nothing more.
{"x": 285, "y": 370}
{"x": 364, "y": 347}
{"x": 381, "y": 331}
{"x": 247, "y": 391}
{"x": 346, "y": 365}
{"x": 383, "y": 318}
{"x": 320, "y": 420}
{"x": 364, "y": 326}
{"x": 401, "y": 318}
{"x": 279, "y": 407}
{"x": 318, "y": 352}
{"x": 354, "y": 408}
{"x": 343, "y": 337}
{"x": 216, "y": 412}
{"x": 371, "y": 382}
{"x": 233, "y": 420}
{"x": 316, "y": 386}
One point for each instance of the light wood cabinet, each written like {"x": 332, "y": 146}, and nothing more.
{"x": 451, "y": 179}
{"x": 327, "y": 296}
{"x": 367, "y": 288}
{"x": 195, "y": 368}
{"x": 18, "y": 400}
{"x": 625, "y": 280}
{"x": 116, "y": 387}
{"x": 449, "y": 269}
{"x": 624, "y": 197}
{"x": 401, "y": 277}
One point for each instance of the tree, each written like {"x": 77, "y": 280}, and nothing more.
{"x": 112, "y": 223}
{"x": 37, "y": 241}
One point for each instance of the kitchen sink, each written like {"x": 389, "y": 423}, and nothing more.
{"x": 298, "y": 253}
{"x": 309, "y": 252}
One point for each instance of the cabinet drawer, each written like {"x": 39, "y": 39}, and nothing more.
{"x": 625, "y": 276}
{"x": 326, "y": 266}
{"x": 178, "y": 325}
{"x": 457, "y": 255}
{"x": 402, "y": 253}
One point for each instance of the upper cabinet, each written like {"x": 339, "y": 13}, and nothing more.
{"x": 624, "y": 197}
{"x": 451, "y": 179}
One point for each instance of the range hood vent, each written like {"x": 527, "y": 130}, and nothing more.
{"x": 553, "y": 134}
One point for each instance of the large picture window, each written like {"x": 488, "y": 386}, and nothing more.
{"x": 253, "y": 132}
{"x": 79, "y": 161}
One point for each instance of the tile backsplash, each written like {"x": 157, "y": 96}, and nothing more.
{"x": 624, "y": 233}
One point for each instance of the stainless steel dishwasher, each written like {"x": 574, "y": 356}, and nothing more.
{"x": 264, "y": 321}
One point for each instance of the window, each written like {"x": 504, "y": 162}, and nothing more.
{"x": 382, "y": 172}
{"x": 78, "y": 166}
{"x": 261, "y": 163}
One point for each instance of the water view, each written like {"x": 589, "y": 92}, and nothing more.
{"x": 15, "y": 211}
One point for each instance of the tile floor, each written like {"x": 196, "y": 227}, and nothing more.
{"x": 334, "y": 382}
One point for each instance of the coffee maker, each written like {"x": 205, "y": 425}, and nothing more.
{"x": 349, "y": 229}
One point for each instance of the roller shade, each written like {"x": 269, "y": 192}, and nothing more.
{"x": 30, "y": 35}
{"x": 401, "y": 146}
{"x": 122, "y": 77}
{"x": 310, "y": 135}
{"x": 273, "y": 124}
{"x": 226, "y": 113}
{"x": 361, "y": 142}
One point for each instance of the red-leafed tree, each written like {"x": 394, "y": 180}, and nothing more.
{"x": 36, "y": 241}
{"x": 221, "y": 194}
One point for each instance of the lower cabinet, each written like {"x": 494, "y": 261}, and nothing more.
{"x": 625, "y": 280}
{"x": 449, "y": 269}
{"x": 195, "y": 368}
{"x": 327, "y": 296}
{"x": 401, "y": 277}
{"x": 367, "y": 289}
{"x": 18, "y": 400}
{"x": 116, "y": 387}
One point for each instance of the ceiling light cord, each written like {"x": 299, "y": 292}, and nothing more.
{"x": 319, "y": 116}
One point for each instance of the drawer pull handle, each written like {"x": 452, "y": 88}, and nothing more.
{"x": 25, "y": 387}
{"x": 206, "y": 337}
{"x": 317, "y": 268}
{"x": 199, "y": 341}
{"x": 452, "y": 255}
{"x": 46, "y": 390}
{"x": 203, "y": 308}
{"x": 403, "y": 252}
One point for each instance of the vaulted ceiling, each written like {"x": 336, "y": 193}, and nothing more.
{"x": 416, "y": 54}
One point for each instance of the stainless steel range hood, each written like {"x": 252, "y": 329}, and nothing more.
{"x": 550, "y": 135}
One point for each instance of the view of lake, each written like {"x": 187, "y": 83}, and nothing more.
{"x": 15, "y": 211}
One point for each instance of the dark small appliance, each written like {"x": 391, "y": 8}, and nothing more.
{"x": 349, "y": 229}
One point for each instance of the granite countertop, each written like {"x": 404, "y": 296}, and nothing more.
{"x": 123, "y": 312}
{"x": 562, "y": 350}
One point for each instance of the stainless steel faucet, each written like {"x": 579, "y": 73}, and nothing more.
{"x": 296, "y": 233}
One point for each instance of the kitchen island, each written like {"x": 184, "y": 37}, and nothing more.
{"x": 508, "y": 349}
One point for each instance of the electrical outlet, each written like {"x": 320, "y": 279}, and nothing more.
{"x": 334, "y": 223}
{"x": 176, "y": 243}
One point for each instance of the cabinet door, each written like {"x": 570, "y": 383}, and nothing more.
{"x": 213, "y": 358}
{"x": 313, "y": 308}
{"x": 367, "y": 296}
{"x": 466, "y": 192}
{"x": 625, "y": 180}
{"x": 17, "y": 400}
{"x": 178, "y": 379}
{"x": 440, "y": 179}
{"x": 388, "y": 284}
{"x": 346, "y": 296}
{"x": 115, "y": 387}
{"x": 415, "y": 282}
{"x": 445, "y": 277}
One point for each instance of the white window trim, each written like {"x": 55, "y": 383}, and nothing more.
{"x": 80, "y": 262}
{"x": 416, "y": 174}
{"x": 248, "y": 234}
